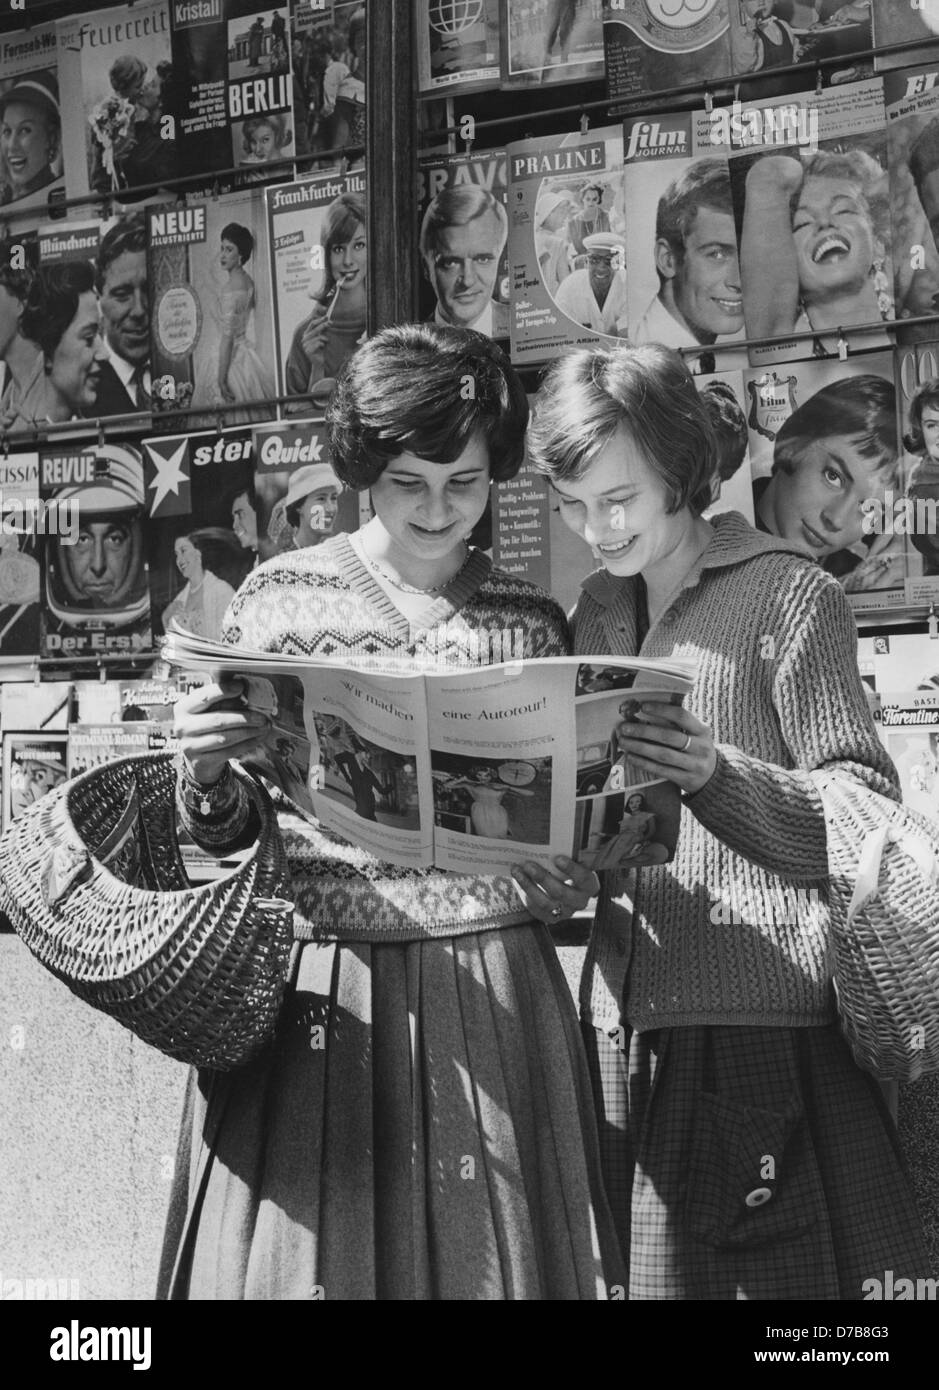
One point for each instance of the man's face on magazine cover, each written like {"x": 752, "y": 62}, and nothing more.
{"x": 707, "y": 285}
{"x": 463, "y": 268}
{"x": 103, "y": 565}
{"x": 125, "y": 304}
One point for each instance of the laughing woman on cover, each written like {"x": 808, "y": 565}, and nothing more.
{"x": 746, "y": 1155}
{"x": 427, "y": 1032}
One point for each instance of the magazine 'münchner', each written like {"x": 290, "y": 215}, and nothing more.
{"x": 465, "y": 769}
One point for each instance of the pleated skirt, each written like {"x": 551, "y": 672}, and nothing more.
{"x": 751, "y": 1163}
{"x": 420, "y": 1127}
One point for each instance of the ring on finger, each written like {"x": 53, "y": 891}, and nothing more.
{"x": 556, "y": 913}
{"x": 686, "y": 745}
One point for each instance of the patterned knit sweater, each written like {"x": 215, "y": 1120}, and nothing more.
{"x": 735, "y": 929}
{"x": 323, "y": 601}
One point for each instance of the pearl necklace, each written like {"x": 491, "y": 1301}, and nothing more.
{"x": 410, "y": 588}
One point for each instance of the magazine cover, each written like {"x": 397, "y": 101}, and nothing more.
{"x": 463, "y": 242}
{"x": 682, "y": 267}
{"x": 19, "y": 558}
{"x": 911, "y": 98}
{"x": 118, "y": 100}
{"x": 91, "y": 745}
{"x": 202, "y": 526}
{"x": 900, "y": 661}
{"x": 300, "y": 501}
{"x": 824, "y": 454}
{"x": 33, "y": 764}
{"x": 546, "y": 42}
{"x": 809, "y": 179}
{"x": 725, "y": 400}
{"x": 567, "y": 247}
{"x": 319, "y": 265}
{"x": 328, "y": 74}
{"x": 22, "y": 367}
{"x": 652, "y": 46}
{"x": 95, "y": 598}
{"x": 232, "y": 73}
{"x": 212, "y": 326}
{"x": 910, "y": 732}
{"x": 770, "y": 34}
{"x": 912, "y": 511}
{"x": 31, "y": 124}
{"x": 150, "y": 700}
{"x": 905, "y": 21}
{"x": 457, "y": 46}
{"x": 35, "y": 704}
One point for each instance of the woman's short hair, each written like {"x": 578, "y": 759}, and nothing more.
{"x": 862, "y": 407}
{"x": 240, "y": 238}
{"x": 221, "y": 552}
{"x": 278, "y": 125}
{"x": 52, "y": 301}
{"x": 926, "y": 394}
{"x": 426, "y": 390}
{"x": 343, "y": 215}
{"x": 647, "y": 391}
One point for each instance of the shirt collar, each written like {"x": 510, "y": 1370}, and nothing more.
{"x": 482, "y": 325}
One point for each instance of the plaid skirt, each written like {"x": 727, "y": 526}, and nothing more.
{"x": 750, "y": 1163}
{"x": 420, "y": 1127}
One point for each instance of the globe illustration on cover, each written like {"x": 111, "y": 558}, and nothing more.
{"x": 454, "y": 17}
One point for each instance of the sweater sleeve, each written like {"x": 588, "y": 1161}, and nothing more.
{"x": 773, "y": 815}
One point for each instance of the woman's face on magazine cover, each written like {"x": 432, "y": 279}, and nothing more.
{"x": 833, "y": 235}
{"x": 818, "y": 505}
{"x": 80, "y": 355}
{"x": 348, "y": 260}
{"x": 427, "y": 508}
{"x": 26, "y": 142}
{"x": 317, "y": 514}
{"x": 188, "y": 559}
{"x": 930, "y": 428}
{"x": 229, "y": 256}
{"x": 264, "y": 143}
{"x": 618, "y": 506}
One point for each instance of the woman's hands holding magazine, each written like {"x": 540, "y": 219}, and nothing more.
{"x": 213, "y": 725}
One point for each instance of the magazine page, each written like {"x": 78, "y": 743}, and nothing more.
{"x": 232, "y": 73}
{"x": 766, "y": 37}
{"x": 33, "y": 764}
{"x": 911, "y": 98}
{"x": 900, "y": 661}
{"x": 651, "y": 46}
{"x": 457, "y": 47}
{"x": 725, "y": 399}
{"x": 95, "y": 597}
{"x": 547, "y": 42}
{"x": 19, "y": 556}
{"x": 329, "y": 74}
{"x": 564, "y": 291}
{"x": 319, "y": 265}
{"x": 819, "y": 473}
{"x": 21, "y": 360}
{"x": 910, "y": 732}
{"x": 463, "y": 242}
{"x": 300, "y": 500}
{"x": 35, "y": 704}
{"x": 118, "y": 101}
{"x": 809, "y": 179}
{"x": 682, "y": 266}
{"x": 212, "y": 332}
{"x": 904, "y": 22}
{"x": 202, "y": 526}
{"x": 32, "y": 166}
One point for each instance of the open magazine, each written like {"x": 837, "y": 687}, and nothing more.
{"x": 467, "y": 769}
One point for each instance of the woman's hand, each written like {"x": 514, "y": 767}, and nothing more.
{"x": 213, "y": 725}
{"x": 553, "y": 892}
{"x": 669, "y": 742}
{"x": 314, "y": 337}
{"x": 226, "y": 393}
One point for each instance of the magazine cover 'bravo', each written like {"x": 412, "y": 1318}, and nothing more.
{"x": 319, "y": 264}
{"x": 567, "y": 248}
{"x": 546, "y": 42}
{"x": 233, "y": 71}
{"x": 211, "y": 324}
{"x": 651, "y": 45}
{"x": 463, "y": 242}
{"x": 809, "y": 179}
{"x": 117, "y": 80}
{"x": 682, "y": 267}
{"x": 31, "y": 150}
{"x": 202, "y": 526}
{"x": 825, "y": 459}
{"x": 95, "y": 595}
{"x": 457, "y": 46}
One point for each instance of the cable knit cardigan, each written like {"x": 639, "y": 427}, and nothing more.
{"x": 735, "y": 929}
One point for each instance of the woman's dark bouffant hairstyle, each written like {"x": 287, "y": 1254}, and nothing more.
{"x": 862, "y": 407}
{"x": 52, "y": 302}
{"x": 588, "y": 394}
{"x": 240, "y": 238}
{"x": 926, "y": 394}
{"x": 425, "y": 390}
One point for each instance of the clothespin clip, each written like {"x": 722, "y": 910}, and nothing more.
{"x": 5, "y": 445}
{"x": 215, "y": 190}
{"x": 708, "y": 100}
{"x": 842, "y": 346}
{"x": 102, "y": 673}
{"x": 933, "y": 624}
{"x": 818, "y": 82}
{"x": 100, "y": 436}
{"x": 584, "y": 123}
{"x": 35, "y": 673}
{"x": 736, "y": 93}
{"x": 343, "y": 165}
{"x": 220, "y": 419}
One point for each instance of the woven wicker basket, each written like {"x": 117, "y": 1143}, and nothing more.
{"x": 197, "y": 971}
{"x": 884, "y": 902}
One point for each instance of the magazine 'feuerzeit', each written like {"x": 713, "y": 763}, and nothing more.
{"x": 468, "y": 768}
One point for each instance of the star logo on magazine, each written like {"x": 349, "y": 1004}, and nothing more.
{"x": 168, "y": 477}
